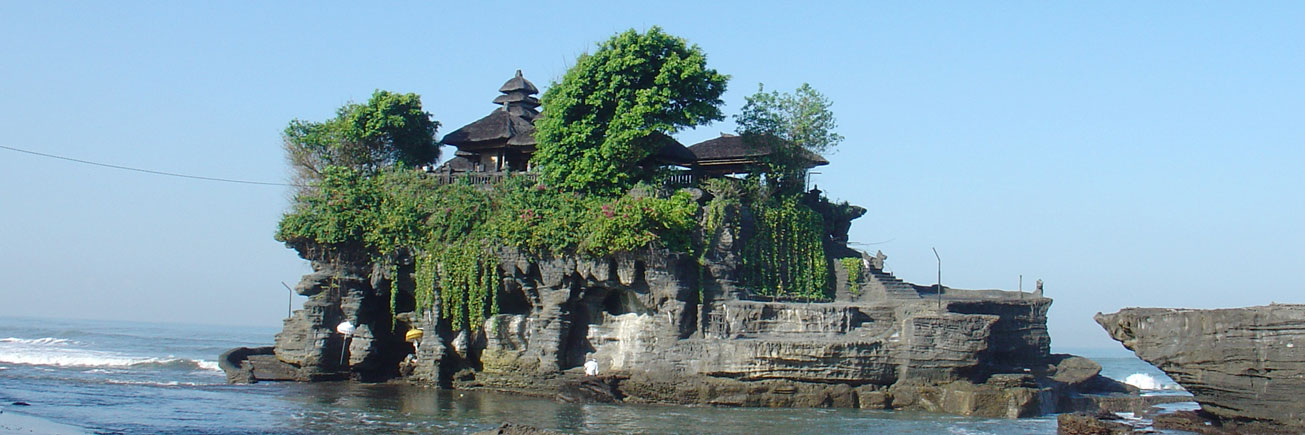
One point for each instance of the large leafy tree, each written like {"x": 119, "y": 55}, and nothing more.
{"x": 390, "y": 129}
{"x": 599, "y": 122}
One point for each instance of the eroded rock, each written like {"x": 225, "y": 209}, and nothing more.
{"x": 1239, "y": 364}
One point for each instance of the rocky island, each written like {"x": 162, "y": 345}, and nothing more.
{"x": 1245, "y": 366}
{"x": 585, "y": 235}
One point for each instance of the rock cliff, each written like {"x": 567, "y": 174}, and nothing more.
{"x": 670, "y": 327}
{"x": 1242, "y": 364}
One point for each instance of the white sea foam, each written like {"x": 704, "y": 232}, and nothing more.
{"x": 46, "y": 341}
{"x": 152, "y": 383}
{"x": 1147, "y": 382}
{"x": 42, "y": 352}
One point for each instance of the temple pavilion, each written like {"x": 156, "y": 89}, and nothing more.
{"x": 732, "y": 154}
{"x": 504, "y": 140}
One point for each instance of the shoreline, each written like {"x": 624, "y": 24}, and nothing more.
{"x": 17, "y": 422}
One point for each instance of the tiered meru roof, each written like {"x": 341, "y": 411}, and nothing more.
{"x": 511, "y": 124}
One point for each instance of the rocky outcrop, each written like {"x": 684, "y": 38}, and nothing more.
{"x": 669, "y": 327}
{"x": 1081, "y": 423}
{"x": 1241, "y": 364}
{"x": 664, "y": 331}
{"x": 516, "y": 429}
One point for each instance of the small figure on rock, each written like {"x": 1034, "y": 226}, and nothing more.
{"x": 591, "y": 367}
{"x": 1039, "y": 290}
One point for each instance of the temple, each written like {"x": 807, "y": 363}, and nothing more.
{"x": 732, "y": 154}
{"x": 503, "y": 142}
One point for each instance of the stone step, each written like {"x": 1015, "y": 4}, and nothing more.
{"x": 894, "y": 288}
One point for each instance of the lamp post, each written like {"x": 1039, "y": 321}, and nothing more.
{"x": 940, "y": 288}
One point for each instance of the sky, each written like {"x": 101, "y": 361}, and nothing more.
{"x": 1128, "y": 154}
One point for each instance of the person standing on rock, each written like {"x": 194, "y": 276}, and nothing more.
{"x": 591, "y": 367}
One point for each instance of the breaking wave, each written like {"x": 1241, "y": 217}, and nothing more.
{"x": 153, "y": 383}
{"x": 60, "y": 352}
{"x": 1151, "y": 383}
{"x": 97, "y": 360}
{"x": 44, "y": 341}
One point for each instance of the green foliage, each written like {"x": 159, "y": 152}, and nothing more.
{"x": 792, "y": 125}
{"x": 630, "y": 223}
{"x": 425, "y": 274}
{"x": 726, "y": 193}
{"x": 349, "y": 212}
{"x": 390, "y": 129}
{"x": 856, "y": 276}
{"x": 601, "y": 120}
{"x": 394, "y": 295}
{"x": 802, "y": 118}
{"x": 337, "y": 215}
{"x": 537, "y": 219}
{"x": 469, "y": 283}
{"x": 786, "y": 256}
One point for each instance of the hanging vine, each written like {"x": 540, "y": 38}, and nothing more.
{"x": 469, "y": 284}
{"x": 424, "y": 295}
{"x": 394, "y": 296}
{"x": 786, "y": 256}
{"x": 856, "y": 276}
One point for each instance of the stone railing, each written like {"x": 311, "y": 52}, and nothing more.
{"x": 479, "y": 178}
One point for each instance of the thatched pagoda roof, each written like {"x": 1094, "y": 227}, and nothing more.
{"x": 518, "y": 83}
{"x": 512, "y": 124}
{"x": 498, "y": 128}
{"x": 732, "y": 150}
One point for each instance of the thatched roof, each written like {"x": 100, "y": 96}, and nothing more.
{"x": 730, "y": 149}
{"x": 518, "y": 83}
{"x": 512, "y": 124}
{"x": 498, "y": 128}
{"x": 517, "y": 97}
{"x": 671, "y": 152}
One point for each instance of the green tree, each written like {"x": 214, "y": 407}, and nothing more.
{"x": 390, "y": 129}
{"x": 792, "y": 125}
{"x": 598, "y": 122}
{"x": 802, "y": 118}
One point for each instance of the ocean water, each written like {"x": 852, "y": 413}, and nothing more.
{"x": 122, "y": 377}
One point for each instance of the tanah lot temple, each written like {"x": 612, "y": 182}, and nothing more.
{"x": 502, "y": 142}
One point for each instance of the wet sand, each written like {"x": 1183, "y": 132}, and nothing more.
{"x": 12, "y": 422}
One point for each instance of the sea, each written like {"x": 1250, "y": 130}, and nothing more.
{"x": 113, "y": 377}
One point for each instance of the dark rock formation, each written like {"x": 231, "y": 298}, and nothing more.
{"x": 245, "y": 365}
{"x": 675, "y": 328}
{"x": 1081, "y": 423}
{"x": 516, "y": 429}
{"x": 1242, "y": 365}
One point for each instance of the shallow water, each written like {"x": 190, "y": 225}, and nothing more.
{"x": 120, "y": 377}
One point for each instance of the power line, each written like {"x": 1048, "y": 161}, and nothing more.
{"x": 147, "y": 171}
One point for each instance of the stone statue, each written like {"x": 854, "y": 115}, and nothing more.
{"x": 878, "y": 261}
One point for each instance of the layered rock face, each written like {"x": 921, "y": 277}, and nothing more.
{"x": 1240, "y": 364}
{"x": 677, "y": 328}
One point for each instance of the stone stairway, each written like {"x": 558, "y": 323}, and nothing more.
{"x": 893, "y": 287}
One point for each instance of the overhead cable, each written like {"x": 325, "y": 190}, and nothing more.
{"x": 147, "y": 171}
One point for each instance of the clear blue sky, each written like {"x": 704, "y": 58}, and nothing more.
{"x": 1128, "y": 154}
